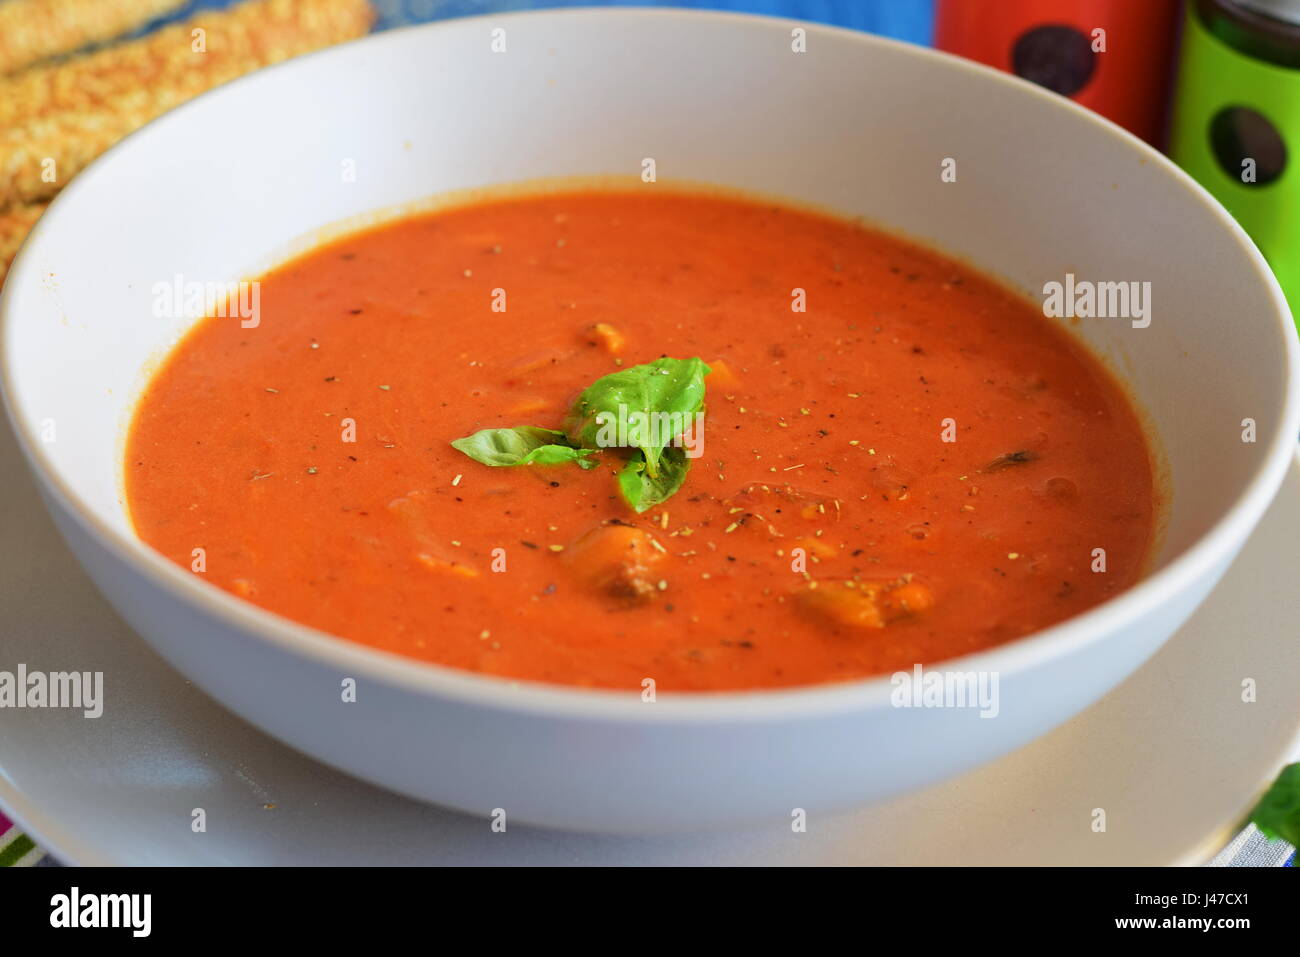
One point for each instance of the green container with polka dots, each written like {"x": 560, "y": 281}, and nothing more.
{"x": 1236, "y": 120}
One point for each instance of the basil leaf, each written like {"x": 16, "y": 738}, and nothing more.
{"x": 1277, "y": 815}
{"x": 643, "y": 407}
{"x": 643, "y": 491}
{"x": 527, "y": 445}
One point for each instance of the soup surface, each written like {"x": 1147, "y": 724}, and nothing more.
{"x": 901, "y": 460}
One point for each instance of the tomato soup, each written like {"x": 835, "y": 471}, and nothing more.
{"x": 899, "y": 461}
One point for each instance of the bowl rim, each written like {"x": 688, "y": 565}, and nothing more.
{"x": 536, "y": 698}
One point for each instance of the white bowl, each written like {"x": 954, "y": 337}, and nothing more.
{"x": 216, "y": 189}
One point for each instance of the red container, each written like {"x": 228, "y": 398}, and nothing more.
{"x": 1055, "y": 43}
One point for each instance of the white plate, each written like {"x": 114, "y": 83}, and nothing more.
{"x": 1173, "y": 756}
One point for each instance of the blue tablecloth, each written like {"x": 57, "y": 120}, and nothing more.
{"x": 911, "y": 20}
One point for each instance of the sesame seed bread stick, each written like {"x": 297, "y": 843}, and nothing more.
{"x": 54, "y": 120}
{"x": 32, "y": 30}
{"x": 15, "y": 223}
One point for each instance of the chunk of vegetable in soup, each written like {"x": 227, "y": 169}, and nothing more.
{"x": 900, "y": 461}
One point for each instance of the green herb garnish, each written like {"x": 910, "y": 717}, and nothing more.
{"x": 527, "y": 445}
{"x": 645, "y": 409}
{"x": 1277, "y": 815}
{"x": 651, "y": 402}
{"x": 642, "y": 490}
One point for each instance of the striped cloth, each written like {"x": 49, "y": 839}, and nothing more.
{"x": 1252, "y": 849}
{"x": 17, "y": 849}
